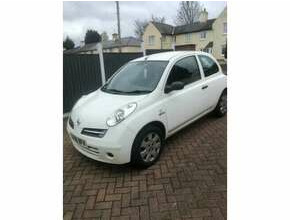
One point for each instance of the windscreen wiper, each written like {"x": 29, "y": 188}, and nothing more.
{"x": 138, "y": 91}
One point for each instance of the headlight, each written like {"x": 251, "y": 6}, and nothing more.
{"x": 121, "y": 114}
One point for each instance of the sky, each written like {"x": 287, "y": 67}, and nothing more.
{"x": 101, "y": 15}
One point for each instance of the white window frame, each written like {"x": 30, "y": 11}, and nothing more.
{"x": 203, "y": 35}
{"x": 188, "y": 37}
{"x": 225, "y": 28}
{"x": 151, "y": 40}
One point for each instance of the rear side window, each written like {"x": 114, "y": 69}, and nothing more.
{"x": 209, "y": 66}
{"x": 185, "y": 70}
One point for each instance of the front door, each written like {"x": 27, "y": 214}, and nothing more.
{"x": 183, "y": 105}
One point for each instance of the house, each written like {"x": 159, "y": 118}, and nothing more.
{"x": 125, "y": 45}
{"x": 209, "y": 35}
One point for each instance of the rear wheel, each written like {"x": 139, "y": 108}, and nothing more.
{"x": 147, "y": 146}
{"x": 221, "y": 108}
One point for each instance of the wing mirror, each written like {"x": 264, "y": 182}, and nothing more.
{"x": 174, "y": 86}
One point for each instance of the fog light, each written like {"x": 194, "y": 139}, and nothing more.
{"x": 110, "y": 154}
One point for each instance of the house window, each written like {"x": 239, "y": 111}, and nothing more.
{"x": 151, "y": 40}
{"x": 225, "y": 27}
{"x": 188, "y": 38}
{"x": 203, "y": 35}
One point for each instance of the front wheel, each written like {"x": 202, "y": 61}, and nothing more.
{"x": 221, "y": 108}
{"x": 147, "y": 146}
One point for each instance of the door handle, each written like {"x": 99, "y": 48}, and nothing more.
{"x": 204, "y": 87}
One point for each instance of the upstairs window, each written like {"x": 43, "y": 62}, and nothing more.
{"x": 151, "y": 40}
{"x": 225, "y": 28}
{"x": 203, "y": 35}
{"x": 188, "y": 37}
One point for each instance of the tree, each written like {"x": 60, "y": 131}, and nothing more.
{"x": 188, "y": 12}
{"x": 157, "y": 19}
{"x": 92, "y": 36}
{"x": 140, "y": 25}
{"x": 68, "y": 43}
{"x": 104, "y": 36}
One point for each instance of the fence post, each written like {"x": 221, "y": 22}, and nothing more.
{"x": 143, "y": 49}
{"x": 100, "y": 52}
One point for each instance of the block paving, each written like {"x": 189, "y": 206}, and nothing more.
{"x": 188, "y": 182}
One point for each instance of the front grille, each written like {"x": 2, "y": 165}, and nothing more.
{"x": 71, "y": 123}
{"x": 94, "y": 132}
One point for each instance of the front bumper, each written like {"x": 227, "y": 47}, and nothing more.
{"x": 114, "y": 147}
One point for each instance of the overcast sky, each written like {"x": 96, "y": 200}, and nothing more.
{"x": 101, "y": 16}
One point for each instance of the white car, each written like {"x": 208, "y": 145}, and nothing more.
{"x": 143, "y": 103}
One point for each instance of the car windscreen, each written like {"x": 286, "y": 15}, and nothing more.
{"x": 138, "y": 77}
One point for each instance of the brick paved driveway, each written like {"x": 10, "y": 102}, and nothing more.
{"x": 188, "y": 182}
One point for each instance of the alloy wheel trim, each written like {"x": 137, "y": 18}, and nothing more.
{"x": 150, "y": 147}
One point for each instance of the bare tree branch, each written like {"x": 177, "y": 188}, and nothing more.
{"x": 188, "y": 12}
{"x": 141, "y": 25}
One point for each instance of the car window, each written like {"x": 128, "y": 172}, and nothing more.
{"x": 185, "y": 70}
{"x": 136, "y": 78}
{"x": 209, "y": 66}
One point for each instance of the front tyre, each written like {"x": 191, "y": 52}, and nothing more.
{"x": 147, "y": 146}
{"x": 221, "y": 108}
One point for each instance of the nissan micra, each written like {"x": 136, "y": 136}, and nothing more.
{"x": 143, "y": 103}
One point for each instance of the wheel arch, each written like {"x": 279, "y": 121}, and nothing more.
{"x": 155, "y": 123}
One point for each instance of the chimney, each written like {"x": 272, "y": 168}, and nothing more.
{"x": 115, "y": 36}
{"x": 203, "y": 15}
{"x": 82, "y": 43}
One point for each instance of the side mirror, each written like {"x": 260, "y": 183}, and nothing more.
{"x": 174, "y": 86}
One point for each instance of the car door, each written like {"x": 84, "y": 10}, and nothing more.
{"x": 183, "y": 105}
{"x": 211, "y": 87}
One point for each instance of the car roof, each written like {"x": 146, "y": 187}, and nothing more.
{"x": 167, "y": 56}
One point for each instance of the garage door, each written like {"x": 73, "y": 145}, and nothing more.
{"x": 185, "y": 47}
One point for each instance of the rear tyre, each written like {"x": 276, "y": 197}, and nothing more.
{"x": 147, "y": 146}
{"x": 221, "y": 108}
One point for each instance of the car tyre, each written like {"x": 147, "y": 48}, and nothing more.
{"x": 147, "y": 146}
{"x": 221, "y": 108}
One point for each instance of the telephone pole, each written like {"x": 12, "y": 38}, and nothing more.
{"x": 119, "y": 28}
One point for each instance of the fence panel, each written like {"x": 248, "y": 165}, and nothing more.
{"x": 81, "y": 75}
{"x": 113, "y": 61}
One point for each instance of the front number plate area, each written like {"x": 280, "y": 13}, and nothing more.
{"x": 79, "y": 140}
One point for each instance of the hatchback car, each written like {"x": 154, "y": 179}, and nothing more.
{"x": 143, "y": 103}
